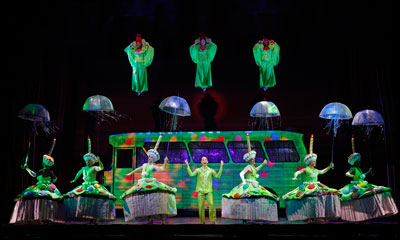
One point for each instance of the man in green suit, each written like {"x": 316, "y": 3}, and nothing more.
{"x": 204, "y": 188}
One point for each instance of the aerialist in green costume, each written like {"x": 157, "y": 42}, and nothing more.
{"x": 266, "y": 55}
{"x": 140, "y": 55}
{"x": 204, "y": 188}
{"x": 202, "y": 53}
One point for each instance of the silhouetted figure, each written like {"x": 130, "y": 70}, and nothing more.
{"x": 208, "y": 108}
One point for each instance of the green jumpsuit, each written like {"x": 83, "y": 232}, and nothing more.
{"x": 204, "y": 189}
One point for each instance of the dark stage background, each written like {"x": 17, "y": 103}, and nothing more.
{"x": 58, "y": 53}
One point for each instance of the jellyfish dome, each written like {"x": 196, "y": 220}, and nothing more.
{"x": 34, "y": 112}
{"x": 176, "y": 106}
{"x": 336, "y": 110}
{"x": 368, "y": 118}
{"x": 264, "y": 109}
{"x": 101, "y": 108}
{"x": 97, "y": 103}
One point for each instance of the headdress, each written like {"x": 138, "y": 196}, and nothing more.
{"x": 153, "y": 152}
{"x": 250, "y": 154}
{"x": 310, "y": 156}
{"x": 89, "y": 156}
{"x": 48, "y": 160}
{"x": 354, "y": 157}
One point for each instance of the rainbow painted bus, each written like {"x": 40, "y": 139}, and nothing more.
{"x": 284, "y": 151}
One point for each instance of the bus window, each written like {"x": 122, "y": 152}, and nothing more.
{"x": 124, "y": 157}
{"x": 281, "y": 151}
{"x": 176, "y": 151}
{"x": 213, "y": 151}
{"x": 141, "y": 157}
{"x": 238, "y": 148}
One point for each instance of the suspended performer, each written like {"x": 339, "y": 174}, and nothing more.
{"x": 312, "y": 200}
{"x": 149, "y": 198}
{"x": 42, "y": 202}
{"x": 249, "y": 201}
{"x": 202, "y": 52}
{"x": 91, "y": 200}
{"x": 266, "y": 55}
{"x": 361, "y": 200}
{"x": 204, "y": 188}
{"x": 140, "y": 55}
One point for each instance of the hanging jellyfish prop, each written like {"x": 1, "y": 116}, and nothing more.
{"x": 365, "y": 122}
{"x": 263, "y": 114}
{"x": 176, "y": 107}
{"x": 101, "y": 109}
{"x": 335, "y": 113}
{"x": 39, "y": 115}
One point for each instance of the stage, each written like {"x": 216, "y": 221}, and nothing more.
{"x": 188, "y": 227}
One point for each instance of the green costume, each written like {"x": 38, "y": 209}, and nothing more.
{"x": 140, "y": 59}
{"x": 148, "y": 183}
{"x": 266, "y": 59}
{"x": 310, "y": 187}
{"x": 360, "y": 200}
{"x": 203, "y": 56}
{"x": 204, "y": 189}
{"x": 251, "y": 188}
{"x": 45, "y": 182}
{"x": 359, "y": 188}
{"x": 90, "y": 186}
{"x": 41, "y": 202}
{"x": 149, "y": 197}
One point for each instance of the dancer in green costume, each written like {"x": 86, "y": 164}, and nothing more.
{"x": 266, "y": 55}
{"x": 361, "y": 200}
{"x": 42, "y": 201}
{"x": 204, "y": 188}
{"x": 148, "y": 183}
{"x": 91, "y": 200}
{"x": 249, "y": 200}
{"x": 149, "y": 197}
{"x": 312, "y": 199}
{"x": 140, "y": 55}
{"x": 202, "y": 53}
{"x": 90, "y": 186}
{"x": 45, "y": 181}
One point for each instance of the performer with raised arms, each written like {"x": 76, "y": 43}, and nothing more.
{"x": 204, "y": 188}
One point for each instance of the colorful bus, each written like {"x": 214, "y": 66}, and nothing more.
{"x": 284, "y": 151}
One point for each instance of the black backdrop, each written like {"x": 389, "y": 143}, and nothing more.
{"x": 58, "y": 53}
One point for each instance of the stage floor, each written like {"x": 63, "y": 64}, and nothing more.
{"x": 189, "y": 228}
